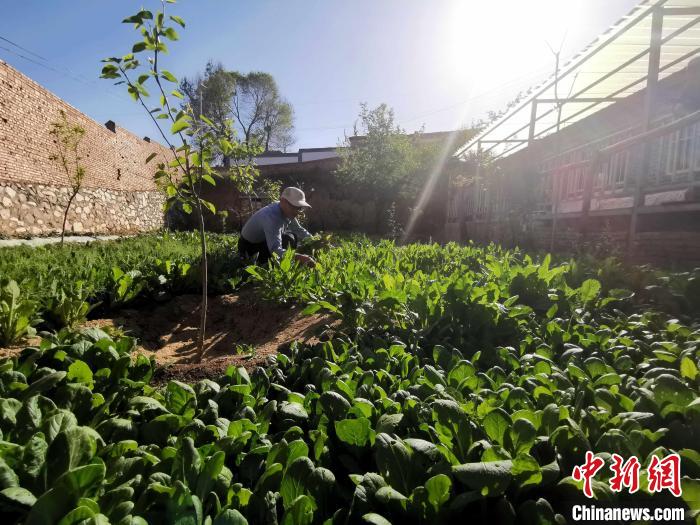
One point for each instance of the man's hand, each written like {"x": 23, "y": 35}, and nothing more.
{"x": 305, "y": 260}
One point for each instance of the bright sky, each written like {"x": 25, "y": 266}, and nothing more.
{"x": 438, "y": 63}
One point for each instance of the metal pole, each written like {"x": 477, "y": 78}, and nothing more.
{"x": 588, "y": 183}
{"x": 657, "y": 22}
{"x": 533, "y": 121}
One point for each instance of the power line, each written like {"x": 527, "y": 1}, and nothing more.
{"x": 86, "y": 82}
{"x": 22, "y": 48}
{"x": 65, "y": 73}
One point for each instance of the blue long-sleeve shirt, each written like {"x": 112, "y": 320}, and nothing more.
{"x": 268, "y": 224}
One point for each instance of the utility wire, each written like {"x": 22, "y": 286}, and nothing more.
{"x": 63, "y": 73}
{"x": 47, "y": 65}
{"x": 22, "y": 48}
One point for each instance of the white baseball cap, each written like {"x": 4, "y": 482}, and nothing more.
{"x": 295, "y": 197}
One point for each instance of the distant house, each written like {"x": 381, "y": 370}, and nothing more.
{"x": 275, "y": 157}
{"x": 303, "y": 155}
{"x": 615, "y": 160}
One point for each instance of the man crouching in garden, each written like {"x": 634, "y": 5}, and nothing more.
{"x": 274, "y": 228}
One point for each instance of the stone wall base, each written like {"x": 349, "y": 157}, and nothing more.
{"x": 35, "y": 210}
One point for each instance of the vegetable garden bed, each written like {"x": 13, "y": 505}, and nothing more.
{"x": 457, "y": 382}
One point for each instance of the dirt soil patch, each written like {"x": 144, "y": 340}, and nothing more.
{"x": 240, "y": 322}
{"x": 13, "y": 350}
{"x": 242, "y": 330}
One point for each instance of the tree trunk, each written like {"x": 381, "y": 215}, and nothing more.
{"x": 203, "y": 306}
{"x": 65, "y": 216}
{"x": 226, "y": 162}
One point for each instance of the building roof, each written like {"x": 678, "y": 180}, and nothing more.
{"x": 612, "y": 67}
{"x": 272, "y": 153}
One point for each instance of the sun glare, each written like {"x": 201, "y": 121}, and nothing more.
{"x": 486, "y": 40}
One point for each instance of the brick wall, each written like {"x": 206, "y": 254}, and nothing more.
{"x": 119, "y": 194}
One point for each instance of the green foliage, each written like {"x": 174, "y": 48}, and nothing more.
{"x": 68, "y": 303}
{"x": 64, "y": 284}
{"x": 456, "y": 381}
{"x": 441, "y": 394}
{"x": 17, "y": 313}
{"x": 383, "y": 159}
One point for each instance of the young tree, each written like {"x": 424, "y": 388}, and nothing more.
{"x": 67, "y": 138}
{"x": 190, "y": 167}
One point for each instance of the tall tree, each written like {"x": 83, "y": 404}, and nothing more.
{"x": 261, "y": 113}
{"x": 252, "y": 101}
{"x": 210, "y": 94}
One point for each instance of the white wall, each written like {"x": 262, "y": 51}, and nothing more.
{"x": 317, "y": 155}
{"x": 266, "y": 161}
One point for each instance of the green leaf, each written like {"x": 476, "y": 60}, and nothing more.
{"x": 71, "y": 448}
{"x": 167, "y": 75}
{"x": 43, "y": 384}
{"x": 171, "y": 34}
{"x": 691, "y": 492}
{"x": 17, "y": 496}
{"x": 270, "y": 480}
{"x": 230, "y": 517}
{"x": 496, "y": 423}
{"x": 392, "y": 499}
{"x": 177, "y": 20}
{"x": 60, "y": 421}
{"x": 523, "y": 435}
{"x": 151, "y": 157}
{"x": 375, "y": 519}
{"x": 394, "y": 462}
{"x": 179, "y": 125}
{"x": 688, "y": 368}
{"x": 208, "y": 205}
{"x": 355, "y": 432}
{"x": 81, "y": 373}
{"x": 589, "y": 290}
{"x": 8, "y": 477}
{"x": 78, "y": 515}
{"x": 57, "y": 501}
{"x": 526, "y": 470}
{"x": 334, "y": 405}
{"x": 438, "y": 488}
{"x": 180, "y": 399}
{"x": 489, "y": 478}
{"x": 300, "y": 513}
{"x": 294, "y": 481}
{"x": 669, "y": 389}
{"x": 389, "y": 423}
{"x": 210, "y": 472}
